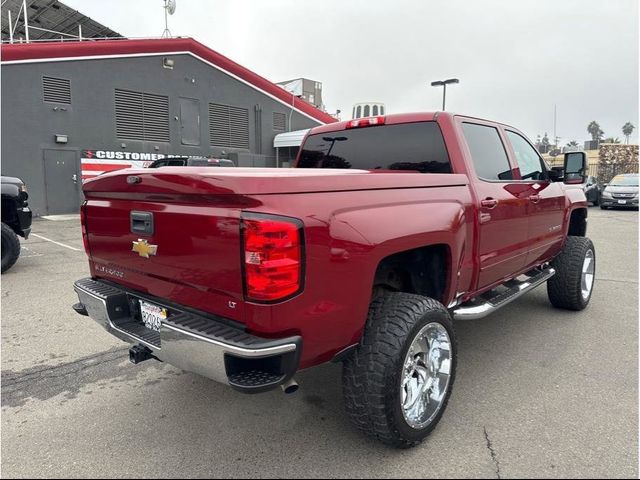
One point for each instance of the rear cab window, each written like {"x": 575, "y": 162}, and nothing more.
{"x": 417, "y": 147}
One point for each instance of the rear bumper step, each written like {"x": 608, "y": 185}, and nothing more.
{"x": 194, "y": 342}
{"x": 490, "y": 302}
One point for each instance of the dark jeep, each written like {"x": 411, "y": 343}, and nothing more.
{"x": 192, "y": 162}
{"x": 16, "y": 219}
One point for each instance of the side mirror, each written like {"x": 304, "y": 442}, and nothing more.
{"x": 555, "y": 174}
{"x": 575, "y": 167}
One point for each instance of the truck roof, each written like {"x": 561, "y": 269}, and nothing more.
{"x": 396, "y": 118}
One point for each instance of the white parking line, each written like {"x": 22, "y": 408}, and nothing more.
{"x": 57, "y": 243}
{"x": 62, "y": 218}
{"x": 27, "y": 252}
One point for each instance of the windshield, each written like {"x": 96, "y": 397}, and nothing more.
{"x": 417, "y": 147}
{"x": 625, "y": 180}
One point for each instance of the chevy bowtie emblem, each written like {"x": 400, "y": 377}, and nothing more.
{"x": 142, "y": 248}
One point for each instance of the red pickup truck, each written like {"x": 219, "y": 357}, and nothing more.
{"x": 389, "y": 229}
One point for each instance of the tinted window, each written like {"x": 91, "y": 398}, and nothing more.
{"x": 487, "y": 152}
{"x": 526, "y": 156}
{"x": 417, "y": 147}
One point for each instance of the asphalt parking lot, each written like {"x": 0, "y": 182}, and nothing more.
{"x": 539, "y": 392}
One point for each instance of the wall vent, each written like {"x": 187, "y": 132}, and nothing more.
{"x": 228, "y": 126}
{"x": 56, "y": 90}
{"x": 142, "y": 116}
{"x": 279, "y": 121}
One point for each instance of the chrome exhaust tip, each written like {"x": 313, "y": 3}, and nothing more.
{"x": 290, "y": 387}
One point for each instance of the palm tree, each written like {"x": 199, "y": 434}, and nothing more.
{"x": 573, "y": 143}
{"x": 545, "y": 140}
{"x": 612, "y": 140}
{"x": 627, "y": 130}
{"x": 595, "y": 131}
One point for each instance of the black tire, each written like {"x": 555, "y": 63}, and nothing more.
{"x": 372, "y": 375}
{"x": 10, "y": 247}
{"x": 602, "y": 207}
{"x": 596, "y": 201}
{"x": 565, "y": 287}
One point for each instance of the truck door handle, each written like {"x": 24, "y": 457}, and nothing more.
{"x": 489, "y": 203}
{"x": 534, "y": 198}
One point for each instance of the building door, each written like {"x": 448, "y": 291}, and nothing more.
{"x": 62, "y": 181}
{"x": 190, "y": 121}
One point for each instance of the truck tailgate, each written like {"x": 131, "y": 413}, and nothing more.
{"x": 196, "y": 261}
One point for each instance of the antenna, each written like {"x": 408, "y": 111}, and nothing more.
{"x": 169, "y": 9}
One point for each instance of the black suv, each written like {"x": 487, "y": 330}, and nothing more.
{"x": 16, "y": 219}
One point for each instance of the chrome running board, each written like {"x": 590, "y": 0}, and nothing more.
{"x": 491, "y": 301}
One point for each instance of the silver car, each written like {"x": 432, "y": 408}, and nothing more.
{"x": 621, "y": 192}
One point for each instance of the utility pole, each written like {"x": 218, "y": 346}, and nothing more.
{"x": 555, "y": 122}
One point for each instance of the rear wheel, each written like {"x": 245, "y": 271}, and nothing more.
{"x": 572, "y": 285}
{"x": 398, "y": 382}
{"x": 10, "y": 247}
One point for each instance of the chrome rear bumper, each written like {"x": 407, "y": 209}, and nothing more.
{"x": 192, "y": 341}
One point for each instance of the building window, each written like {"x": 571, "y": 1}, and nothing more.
{"x": 375, "y": 110}
{"x": 228, "y": 126}
{"x": 142, "y": 116}
{"x": 279, "y": 121}
{"x": 367, "y": 110}
{"x": 56, "y": 90}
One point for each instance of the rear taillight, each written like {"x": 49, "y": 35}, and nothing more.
{"x": 366, "y": 122}
{"x": 83, "y": 225}
{"x": 273, "y": 257}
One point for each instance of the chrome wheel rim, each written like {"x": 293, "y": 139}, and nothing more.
{"x": 425, "y": 375}
{"x": 588, "y": 273}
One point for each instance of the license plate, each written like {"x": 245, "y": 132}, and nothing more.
{"x": 152, "y": 315}
{"x": 622, "y": 202}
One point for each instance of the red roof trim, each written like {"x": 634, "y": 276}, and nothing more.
{"x": 58, "y": 50}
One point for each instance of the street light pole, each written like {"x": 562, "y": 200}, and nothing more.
{"x": 444, "y": 96}
{"x": 443, "y": 84}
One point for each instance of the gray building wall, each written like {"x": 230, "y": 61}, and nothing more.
{"x": 29, "y": 125}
